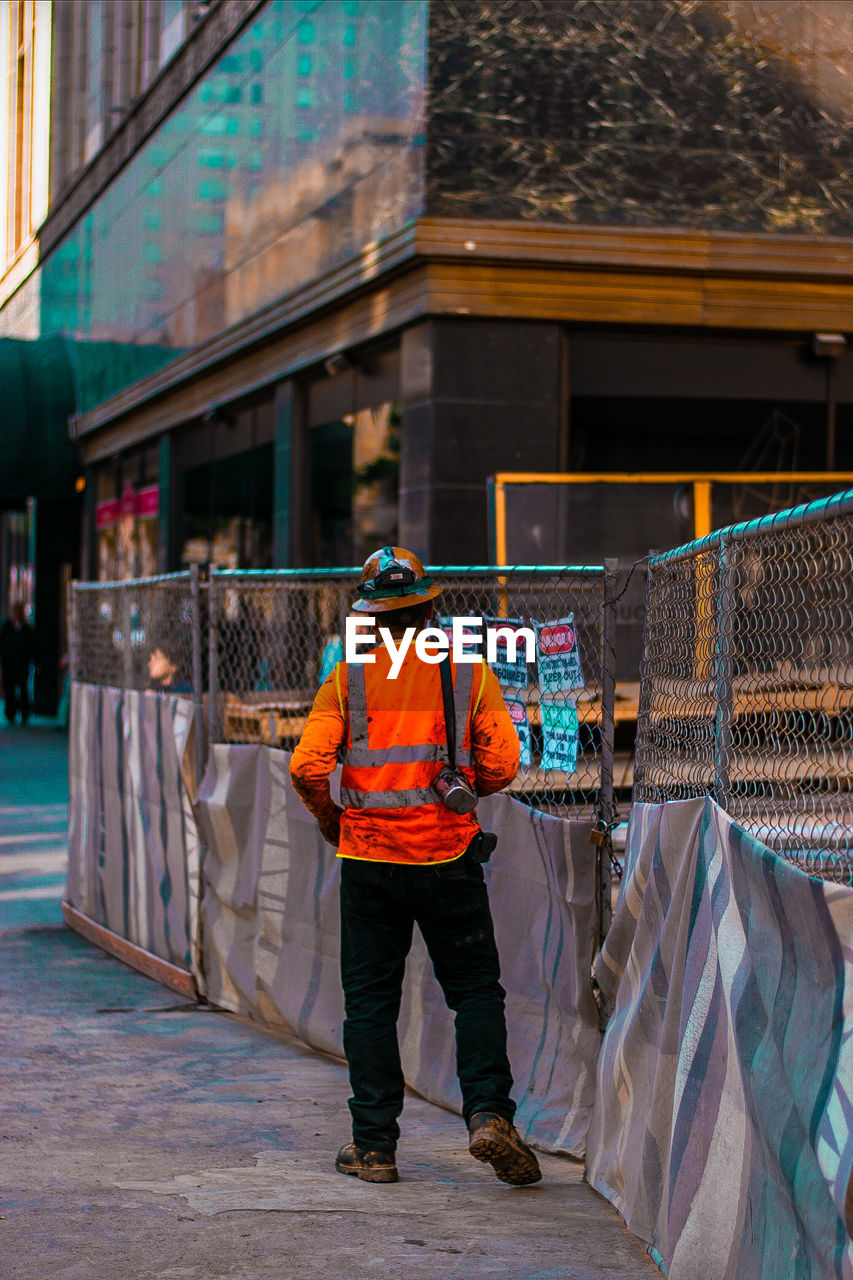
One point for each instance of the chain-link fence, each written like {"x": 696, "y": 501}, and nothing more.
{"x": 275, "y": 636}
{"x": 269, "y": 639}
{"x": 143, "y": 634}
{"x": 747, "y": 688}
{"x": 252, "y": 648}
{"x": 136, "y": 634}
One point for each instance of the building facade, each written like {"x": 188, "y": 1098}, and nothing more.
{"x": 320, "y": 267}
{"x": 74, "y": 70}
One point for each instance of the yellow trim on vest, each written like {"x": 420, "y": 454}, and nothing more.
{"x": 442, "y": 862}
{"x": 480, "y": 690}
{"x": 338, "y": 687}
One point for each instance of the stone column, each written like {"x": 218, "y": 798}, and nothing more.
{"x": 477, "y": 397}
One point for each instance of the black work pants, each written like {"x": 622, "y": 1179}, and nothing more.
{"x": 16, "y": 676}
{"x": 380, "y": 904}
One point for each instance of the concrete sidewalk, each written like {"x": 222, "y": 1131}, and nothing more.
{"x": 144, "y": 1137}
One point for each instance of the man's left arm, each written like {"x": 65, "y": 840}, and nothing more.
{"x": 494, "y": 741}
{"x": 315, "y": 757}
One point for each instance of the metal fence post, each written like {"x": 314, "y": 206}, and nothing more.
{"x": 723, "y": 686}
{"x": 127, "y": 641}
{"x": 200, "y": 753}
{"x": 73, "y": 624}
{"x": 640, "y": 790}
{"x": 212, "y": 660}
{"x": 608, "y": 707}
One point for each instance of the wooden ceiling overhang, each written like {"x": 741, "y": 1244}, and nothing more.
{"x": 656, "y": 277}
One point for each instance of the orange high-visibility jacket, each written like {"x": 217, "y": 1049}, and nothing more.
{"x": 390, "y": 736}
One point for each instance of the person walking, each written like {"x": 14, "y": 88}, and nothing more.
{"x": 17, "y": 654}
{"x": 407, "y": 858}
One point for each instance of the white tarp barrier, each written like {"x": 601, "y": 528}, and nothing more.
{"x": 723, "y": 1127}
{"x": 133, "y": 849}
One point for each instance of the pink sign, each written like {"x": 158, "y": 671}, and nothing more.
{"x": 148, "y": 502}
{"x": 142, "y": 505}
{"x": 106, "y": 514}
{"x": 127, "y": 507}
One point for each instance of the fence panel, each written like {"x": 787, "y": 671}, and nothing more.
{"x": 134, "y": 855}
{"x": 747, "y": 691}
{"x": 275, "y": 636}
{"x": 136, "y": 634}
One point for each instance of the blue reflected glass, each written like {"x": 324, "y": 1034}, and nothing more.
{"x": 301, "y": 145}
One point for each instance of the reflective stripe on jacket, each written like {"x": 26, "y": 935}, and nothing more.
{"x": 360, "y": 787}
{"x": 390, "y": 736}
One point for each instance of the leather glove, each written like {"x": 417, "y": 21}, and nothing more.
{"x": 330, "y": 827}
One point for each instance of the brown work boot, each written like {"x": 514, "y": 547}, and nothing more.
{"x": 370, "y": 1166}
{"x": 495, "y": 1141}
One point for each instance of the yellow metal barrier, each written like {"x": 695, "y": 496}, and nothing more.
{"x": 702, "y": 483}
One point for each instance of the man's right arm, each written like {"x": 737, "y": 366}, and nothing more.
{"x": 316, "y": 755}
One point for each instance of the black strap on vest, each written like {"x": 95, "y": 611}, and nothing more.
{"x": 449, "y": 709}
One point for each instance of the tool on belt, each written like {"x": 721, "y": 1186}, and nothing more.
{"x": 450, "y": 785}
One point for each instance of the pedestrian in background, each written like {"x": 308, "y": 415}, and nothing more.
{"x": 18, "y": 651}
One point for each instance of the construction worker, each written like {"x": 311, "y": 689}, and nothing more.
{"x": 408, "y": 859}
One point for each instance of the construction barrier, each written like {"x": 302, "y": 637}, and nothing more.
{"x": 230, "y": 668}
{"x": 747, "y": 688}
{"x": 723, "y": 1125}
{"x": 720, "y": 1120}
{"x": 541, "y": 516}
{"x": 722, "y": 1128}
{"x": 134, "y": 859}
{"x": 135, "y": 757}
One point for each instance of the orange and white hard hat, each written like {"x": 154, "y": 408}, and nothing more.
{"x": 393, "y": 578}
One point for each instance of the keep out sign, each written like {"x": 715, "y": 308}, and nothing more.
{"x": 557, "y": 656}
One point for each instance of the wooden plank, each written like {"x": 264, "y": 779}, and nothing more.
{"x": 536, "y": 781}
{"x": 828, "y": 700}
{"x": 580, "y": 295}
{"x": 271, "y": 721}
{"x": 669, "y": 248}
{"x": 833, "y": 764}
{"x": 135, "y": 957}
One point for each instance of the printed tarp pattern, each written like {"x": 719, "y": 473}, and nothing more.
{"x": 133, "y": 850}
{"x": 271, "y": 940}
{"x": 722, "y": 1126}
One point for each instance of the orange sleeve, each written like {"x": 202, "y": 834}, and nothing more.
{"x": 316, "y": 753}
{"x": 493, "y": 738}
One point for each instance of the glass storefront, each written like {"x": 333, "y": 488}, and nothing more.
{"x": 302, "y": 145}
{"x": 353, "y": 459}
{"x": 127, "y": 508}
{"x": 224, "y": 470}
{"x": 226, "y": 511}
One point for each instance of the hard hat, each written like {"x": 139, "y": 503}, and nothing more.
{"x": 393, "y": 578}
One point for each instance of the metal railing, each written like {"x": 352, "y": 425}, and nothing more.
{"x": 747, "y": 680}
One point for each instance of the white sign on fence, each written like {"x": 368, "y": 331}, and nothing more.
{"x": 559, "y": 735}
{"x": 517, "y": 708}
{"x": 557, "y": 656}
